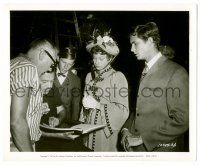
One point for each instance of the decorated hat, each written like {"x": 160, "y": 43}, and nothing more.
{"x": 105, "y": 42}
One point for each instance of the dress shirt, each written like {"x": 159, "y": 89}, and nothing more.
{"x": 153, "y": 60}
{"x": 61, "y": 78}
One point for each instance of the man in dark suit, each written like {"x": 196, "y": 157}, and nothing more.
{"x": 68, "y": 85}
{"x": 66, "y": 91}
{"x": 64, "y": 94}
{"x": 162, "y": 109}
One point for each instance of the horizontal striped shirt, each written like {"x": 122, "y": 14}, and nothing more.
{"x": 23, "y": 73}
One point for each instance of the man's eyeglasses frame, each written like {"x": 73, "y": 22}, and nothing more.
{"x": 53, "y": 66}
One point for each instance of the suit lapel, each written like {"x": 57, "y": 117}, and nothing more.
{"x": 56, "y": 82}
{"x": 64, "y": 84}
{"x": 156, "y": 66}
{"x": 68, "y": 79}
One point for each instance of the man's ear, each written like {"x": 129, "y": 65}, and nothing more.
{"x": 41, "y": 55}
{"x": 150, "y": 40}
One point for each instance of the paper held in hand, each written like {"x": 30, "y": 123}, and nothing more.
{"x": 87, "y": 128}
{"x": 69, "y": 133}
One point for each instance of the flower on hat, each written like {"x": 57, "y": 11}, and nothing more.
{"x": 107, "y": 39}
{"x": 105, "y": 42}
{"x": 99, "y": 40}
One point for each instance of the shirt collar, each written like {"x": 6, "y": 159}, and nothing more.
{"x": 153, "y": 60}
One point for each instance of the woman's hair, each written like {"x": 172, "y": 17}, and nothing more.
{"x": 67, "y": 53}
{"x": 148, "y": 30}
{"x": 98, "y": 49}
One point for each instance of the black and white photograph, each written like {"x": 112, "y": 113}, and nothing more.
{"x": 101, "y": 81}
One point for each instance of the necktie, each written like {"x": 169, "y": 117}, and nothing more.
{"x": 144, "y": 72}
{"x": 61, "y": 74}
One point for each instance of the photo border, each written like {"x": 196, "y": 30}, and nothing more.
{"x": 131, "y": 156}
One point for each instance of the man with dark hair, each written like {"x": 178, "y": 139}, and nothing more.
{"x": 26, "y": 94}
{"x": 162, "y": 113}
{"x": 67, "y": 85}
{"x": 64, "y": 103}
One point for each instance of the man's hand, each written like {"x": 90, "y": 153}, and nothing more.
{"x": 133, "y": 141}
{"x": 125, "y": 134}
{"x": 45, "y": 108}
{"x": 53, "y": 122}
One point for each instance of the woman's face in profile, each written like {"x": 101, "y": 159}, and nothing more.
{"x": 100, "y": 60}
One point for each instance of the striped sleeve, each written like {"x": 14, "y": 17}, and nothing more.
{"x": 23, "y": 75}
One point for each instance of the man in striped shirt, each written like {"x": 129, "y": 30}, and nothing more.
{"x": 26, "y": 95}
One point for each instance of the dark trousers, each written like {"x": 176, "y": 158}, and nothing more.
{"x": 46, "y": 144}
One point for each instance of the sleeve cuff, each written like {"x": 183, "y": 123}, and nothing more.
{"x": 59, "y": 109}
{"x": 123, "y": 130}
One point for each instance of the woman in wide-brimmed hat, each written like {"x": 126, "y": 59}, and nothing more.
{"x": 105, "y": 98}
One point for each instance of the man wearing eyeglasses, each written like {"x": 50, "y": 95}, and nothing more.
{"x": 26, "y": 95}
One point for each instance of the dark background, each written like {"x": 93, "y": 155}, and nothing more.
{"x": 174, "y": 29}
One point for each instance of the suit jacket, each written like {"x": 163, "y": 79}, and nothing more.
{"x": 53, "y": 100}
{"x": 162, "y": 109}
{"x": 70, "y": 94}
